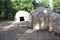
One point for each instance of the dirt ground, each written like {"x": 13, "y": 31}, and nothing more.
{"x": 20, "y": 31}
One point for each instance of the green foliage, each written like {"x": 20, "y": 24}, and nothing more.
{"x": 57, "y": 6}
{"x": 8, "y": 8}
{"x": 2, "y": 9}
{"x": 22, "y": 5}
{"x": 42, "y": 3}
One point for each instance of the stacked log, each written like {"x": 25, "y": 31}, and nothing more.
{"x": 54, "y": 24}
{"x": 40, "y": 18}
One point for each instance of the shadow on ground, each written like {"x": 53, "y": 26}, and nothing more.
{"x": 15, "y": 31}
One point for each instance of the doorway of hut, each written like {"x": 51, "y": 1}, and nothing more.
{"x": 21, "y": 18}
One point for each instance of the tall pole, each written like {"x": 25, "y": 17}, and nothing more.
{"x": 51, "y": 4}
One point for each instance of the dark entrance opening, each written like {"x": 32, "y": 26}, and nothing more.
{"x": 21, "y": 18}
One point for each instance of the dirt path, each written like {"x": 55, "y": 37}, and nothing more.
{"x": 13, "y": 31}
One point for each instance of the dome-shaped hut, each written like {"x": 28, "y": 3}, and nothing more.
{"x": 22, "y": 16}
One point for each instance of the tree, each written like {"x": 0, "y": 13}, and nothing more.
{"x": 8, "y": 8}
{"x": 42, "y": 3}
{"x": 57, "y": 6}
{"x": 22, "y": 5}
{"x": 2, "y": 9}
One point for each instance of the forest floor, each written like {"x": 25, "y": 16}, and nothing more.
{"x": 19, "y": 31}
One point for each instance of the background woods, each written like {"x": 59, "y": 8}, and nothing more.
{"x": 8, "y": 8}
